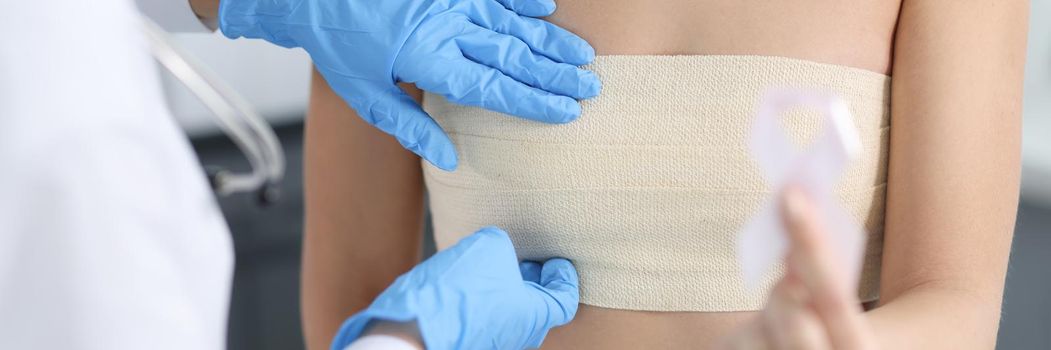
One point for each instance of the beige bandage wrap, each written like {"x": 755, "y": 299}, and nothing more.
{"x": 647, "y": 191}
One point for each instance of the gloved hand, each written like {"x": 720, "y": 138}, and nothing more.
{"x": 474, "y": 295}
{"x": 483, "y": 53}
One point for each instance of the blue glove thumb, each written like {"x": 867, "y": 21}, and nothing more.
{"x": 557, "y": 284}
{"x": 531, "y": 8}
{"x": 391, "y": 110}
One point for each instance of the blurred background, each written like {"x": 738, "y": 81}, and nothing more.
{"x": 265, "y": 307}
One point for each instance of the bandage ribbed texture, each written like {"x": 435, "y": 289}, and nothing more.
{"x": 647, "y": 190}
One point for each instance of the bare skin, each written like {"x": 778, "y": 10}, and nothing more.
{"x": 207, "y": 11}
{"x": 363, "y": 223}
{"x": 952, "y": 188}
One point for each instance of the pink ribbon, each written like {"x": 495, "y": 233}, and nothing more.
{"x": 816, "y": 168}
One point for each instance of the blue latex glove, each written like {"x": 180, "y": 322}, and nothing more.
{"x": 474, "y": 295}
{"x": 483, "y": 53}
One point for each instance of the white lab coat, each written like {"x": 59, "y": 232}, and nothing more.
{"x": 109, "y": 235}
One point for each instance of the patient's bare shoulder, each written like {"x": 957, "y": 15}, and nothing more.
{"x": 850, "y": 33}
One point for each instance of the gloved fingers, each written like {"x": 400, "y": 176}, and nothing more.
{"x": 513, "y": 57}
{"x": 530, "y": 271}
{"x": 489, "y": 248}
{"x": 559, "y": 280}
{"x": 488, "y": 239}
{"x": 470, "y": 83}
{"x": 531, "y": 8}
{"x": 394, "y": 112}
{"x": 542, "y": 36}
{"x": 487, "y": 254}
{"x": 559, "y": 297}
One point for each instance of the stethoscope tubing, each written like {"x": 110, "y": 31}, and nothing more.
{"x": 236, "y": 118}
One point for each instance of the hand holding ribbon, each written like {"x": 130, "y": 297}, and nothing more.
{"x": 763, "y": 241}
{"x": 815, "y": 305}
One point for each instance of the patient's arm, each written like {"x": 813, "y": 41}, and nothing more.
{"x": 954, "y": 172}
{"x": 364, "y": 200}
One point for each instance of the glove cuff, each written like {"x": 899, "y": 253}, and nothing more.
{"x": 439, "y": 329}
{"x": 353, "y": 327}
